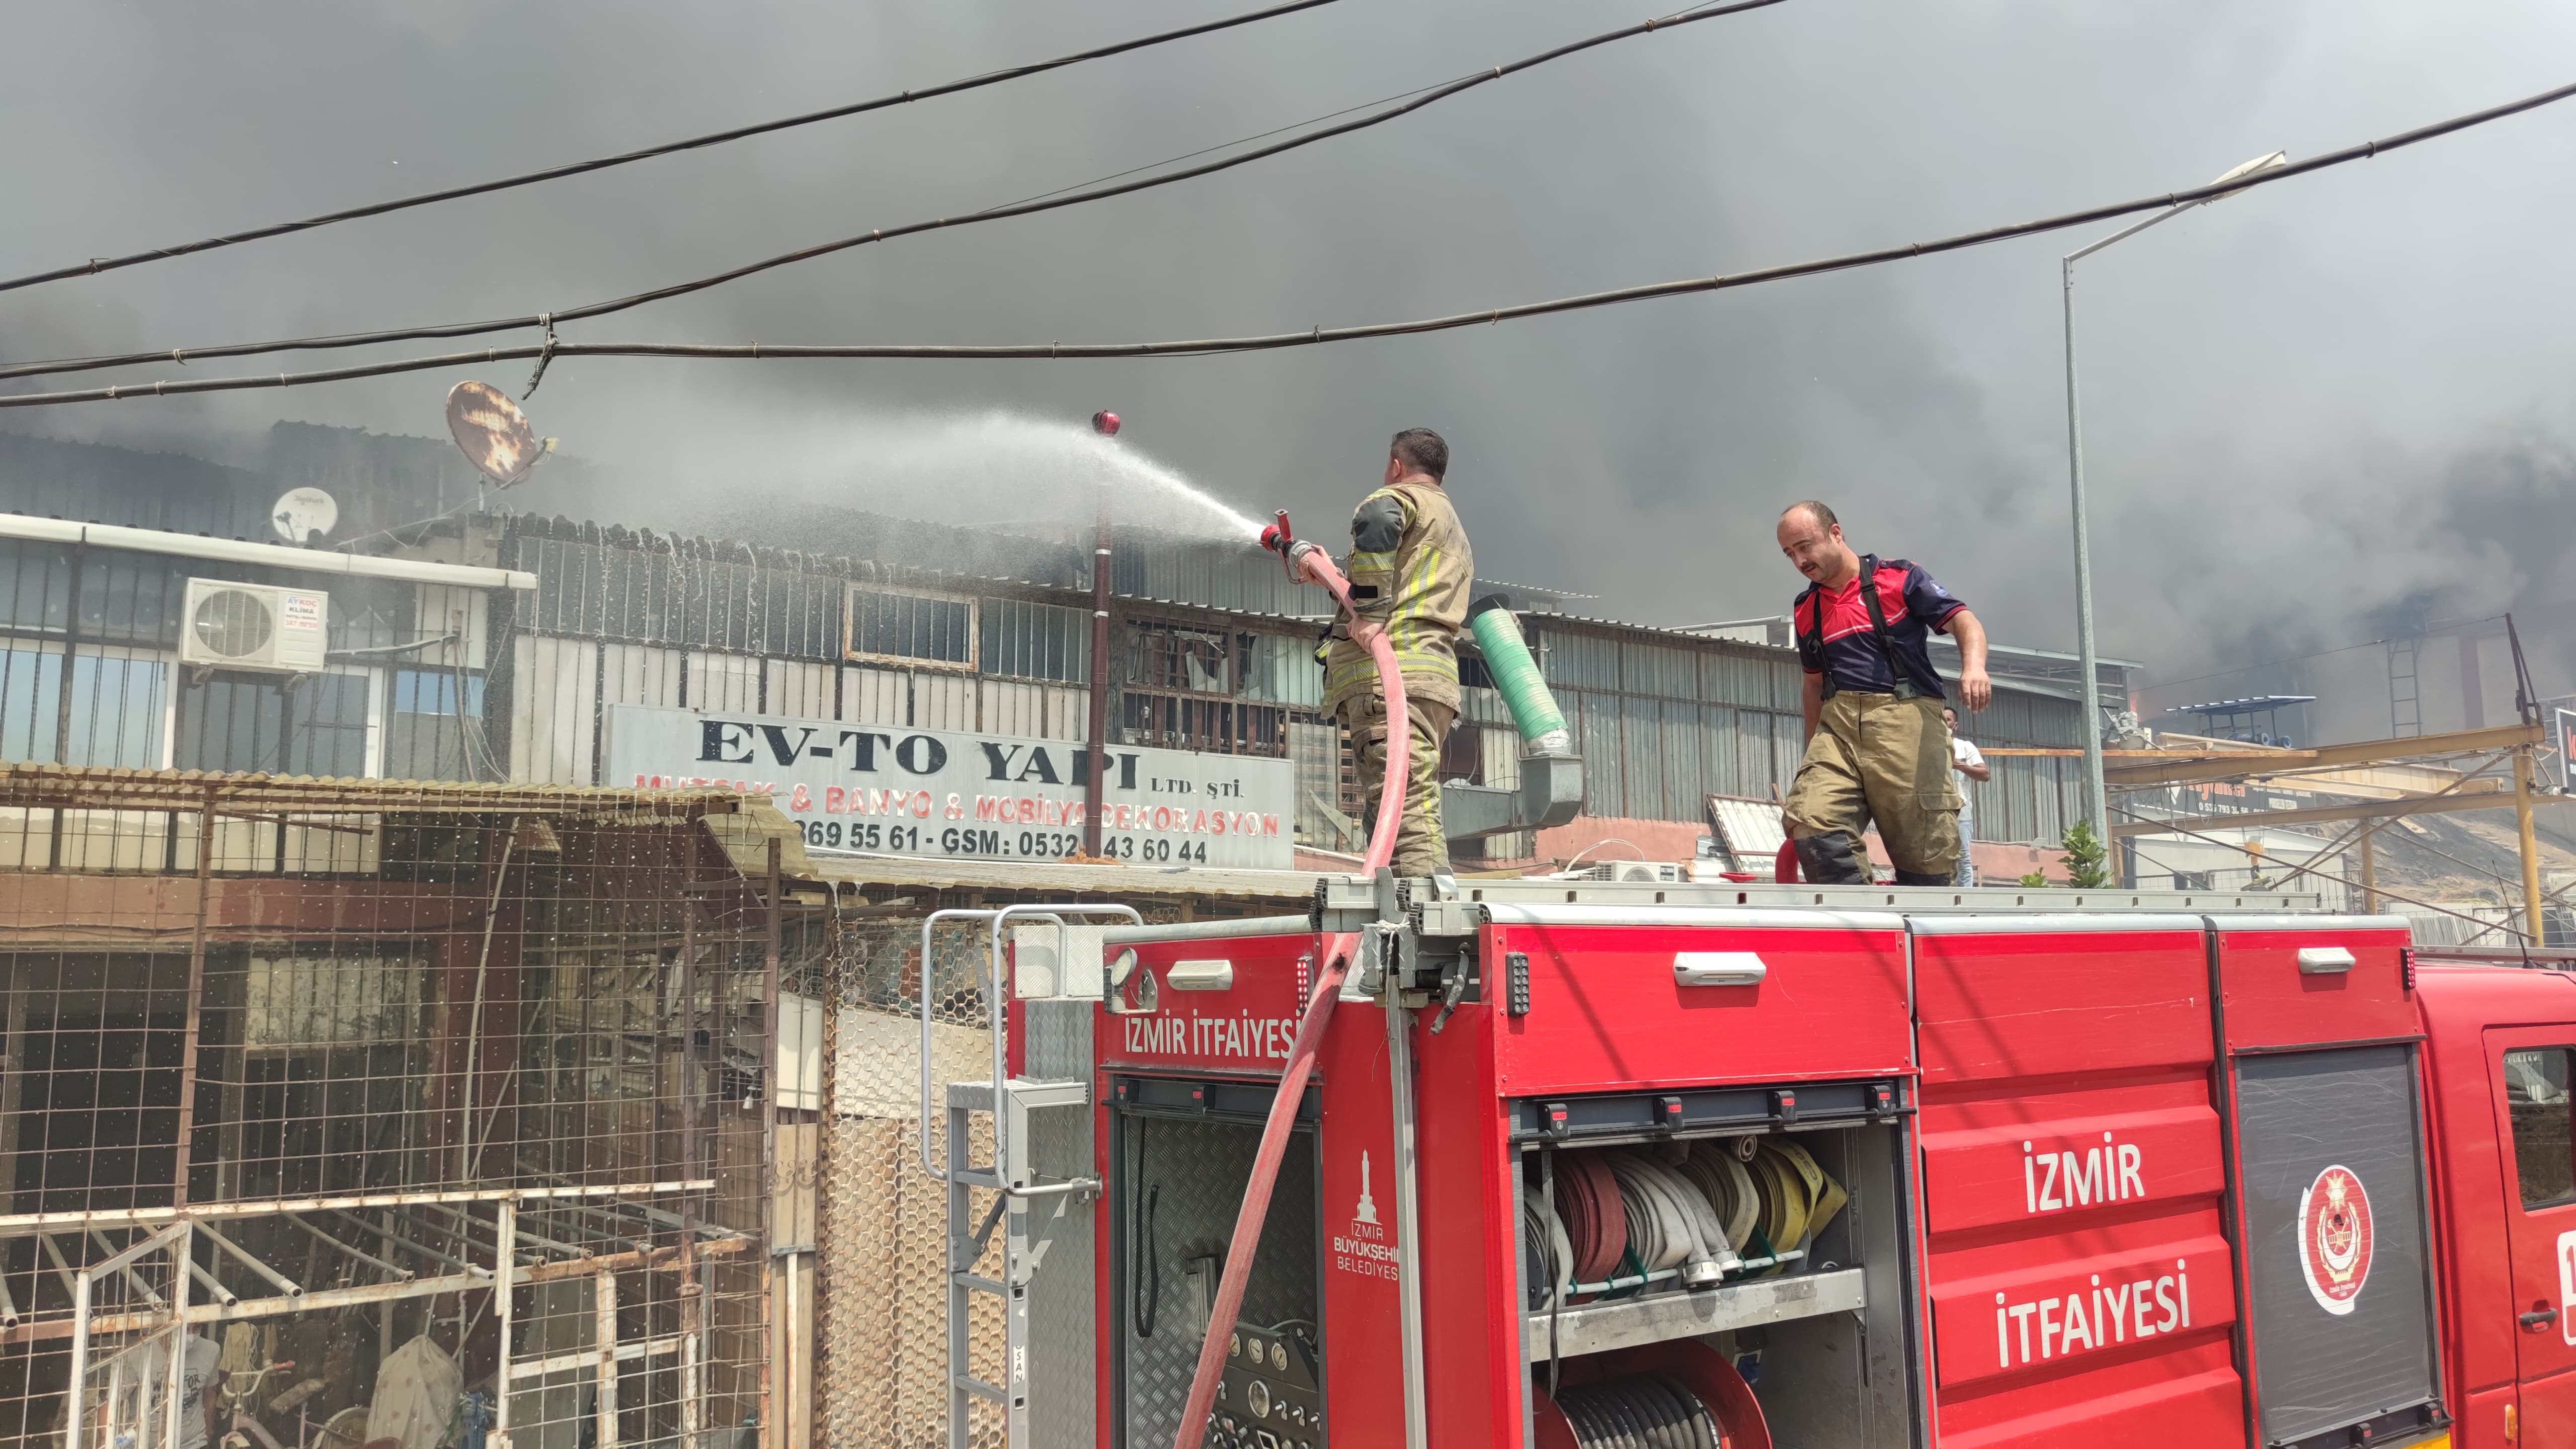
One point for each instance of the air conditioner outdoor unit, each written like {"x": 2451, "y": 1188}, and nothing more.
{"x": 254, "y": 626}
{"x": 1662, "y": 871}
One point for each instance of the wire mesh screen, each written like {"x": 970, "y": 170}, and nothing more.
{"x": 883, "y": 1335}
{"x": 338, "y": 1111}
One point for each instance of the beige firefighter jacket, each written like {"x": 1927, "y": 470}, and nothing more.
{"x": 1417, "y": 590}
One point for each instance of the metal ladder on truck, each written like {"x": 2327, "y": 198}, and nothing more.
{"x": 1010, "y": 1176}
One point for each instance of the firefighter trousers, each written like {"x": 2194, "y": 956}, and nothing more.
{"x": 1877, "y": 758}
{"x": 1420, "y": 847}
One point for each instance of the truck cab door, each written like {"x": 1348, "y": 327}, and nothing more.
{"x": 2533, "y": 1069}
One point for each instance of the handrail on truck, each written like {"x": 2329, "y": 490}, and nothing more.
{"x": 994, "y": 1009}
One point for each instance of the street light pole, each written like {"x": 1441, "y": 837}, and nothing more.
{"x": 2097, "y": 797}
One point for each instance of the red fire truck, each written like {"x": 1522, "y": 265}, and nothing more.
{"x": 1594, "y": 1164}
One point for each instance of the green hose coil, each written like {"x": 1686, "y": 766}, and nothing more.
{"x": 1525, "y": 693}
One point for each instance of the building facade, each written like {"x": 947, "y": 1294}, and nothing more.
{"x": 903, "y": 625}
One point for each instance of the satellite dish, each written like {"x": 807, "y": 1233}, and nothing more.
{"x": 492, "y": 431}
{"x": 303, "y": 514}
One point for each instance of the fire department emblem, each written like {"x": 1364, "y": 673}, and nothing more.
{"x": 2335, "y": 1238}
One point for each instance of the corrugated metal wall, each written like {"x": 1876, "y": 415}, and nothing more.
{"x": 561, "y": 689}
{"x": 1665, "y": 723}
{"x": 622, "y": 617}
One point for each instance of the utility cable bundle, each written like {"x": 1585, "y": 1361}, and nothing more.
{"x": 1056, "y": 350}
{"x": 1642, "y": 1411}
{"x": 1120, "y": 184}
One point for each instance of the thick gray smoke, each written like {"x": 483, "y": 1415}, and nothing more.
{"x": 2302, "y": 406}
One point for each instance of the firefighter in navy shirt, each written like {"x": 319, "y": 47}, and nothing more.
{"x": 1876, "y": 747}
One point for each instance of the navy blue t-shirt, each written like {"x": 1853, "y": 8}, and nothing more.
{"x": 1914, "y": 604}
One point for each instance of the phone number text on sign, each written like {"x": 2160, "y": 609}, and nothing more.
{"x": 1002, "y": 844}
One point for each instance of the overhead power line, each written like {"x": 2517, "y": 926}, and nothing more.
{"x": 1050, "y": 202}
{"x": 96, "y": 265}
{"x": 1315, "y": 336}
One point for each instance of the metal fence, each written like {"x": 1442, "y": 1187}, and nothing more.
{"x": 369, "y": 1110}
{"x": 882, "y": 1370}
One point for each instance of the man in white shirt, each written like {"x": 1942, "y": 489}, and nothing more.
{"x": 1968, "y": 760}
{"x": 142, "y": 1377}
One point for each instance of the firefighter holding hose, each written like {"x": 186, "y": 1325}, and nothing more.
{"x": 1410, "y": 572}
{"x": 1877, "y": 749}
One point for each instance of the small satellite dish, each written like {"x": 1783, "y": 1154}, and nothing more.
{"x": 303, "y": 515}
{"x": 492, "y": 431}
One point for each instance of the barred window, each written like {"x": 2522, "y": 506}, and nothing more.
{"x": 1036, "y": 641}
{"x": 911, "y": 628}
{"x": 1178, "y": 656}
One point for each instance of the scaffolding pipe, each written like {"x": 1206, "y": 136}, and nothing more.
{"x": 212, "y": 1283}
{"x": 18, "y": 1224}
{"x": 284, "y": 1284}
{"x": 196, "y": 1002}
{"x": 2530, "y": 844}
{"x": 62, "y": 1269}
{"x": 520, "y": 1234}
{"x": 607, "y": 1234}
{"x": 76, "y": 1392}
{"x": 186, "y": 1248}
{"x": 403, "y": 1275}
{"x": 692, "y": 1307}
{"x": 423, "y": 1249}
{"x": 119, "y": 1258}
{"x": 329, "y": 1298}
{"x": 503, "y": 1269}
{"x": 605, "y": 1333}
{"x": 474, "y": 1024}
{"x": 8, "y": 1305}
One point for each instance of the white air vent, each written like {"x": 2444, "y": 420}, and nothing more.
{"x": 254, "y": 626}
{"x": 1661, "y": 871}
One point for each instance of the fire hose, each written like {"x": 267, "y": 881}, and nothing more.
{"x": 1308, "y": 563}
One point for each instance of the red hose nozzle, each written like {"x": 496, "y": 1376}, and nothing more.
{"x": 1278, "y": 537}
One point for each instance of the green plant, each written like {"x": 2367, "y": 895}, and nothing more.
{"x": 2087, "y": 859}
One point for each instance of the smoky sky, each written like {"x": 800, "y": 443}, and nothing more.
{"x": 2301, "y": 406}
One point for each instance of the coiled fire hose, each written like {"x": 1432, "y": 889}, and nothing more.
{"x": 1310, "y": 563}
{"x": 1670, "y": 1223}
{"x": 1647, "y": 1411}
{"x": 1625, "y": 1220}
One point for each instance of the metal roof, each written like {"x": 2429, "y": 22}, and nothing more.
{"x": 2251, "y": 704}
{"x": 83, "y": 787}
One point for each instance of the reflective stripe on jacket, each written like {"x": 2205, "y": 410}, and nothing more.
{"x": 1417, "y": 589}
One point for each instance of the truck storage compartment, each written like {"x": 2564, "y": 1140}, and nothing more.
{"x": 2081, "y": 1281}
{"x": 1609, "y": 997}
{"x": 1752, "y": 1269}
{"x": 2335, "y": 1228}
{"x": 2330, "y": 1152}
{"x": 1183, "y": 1150}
